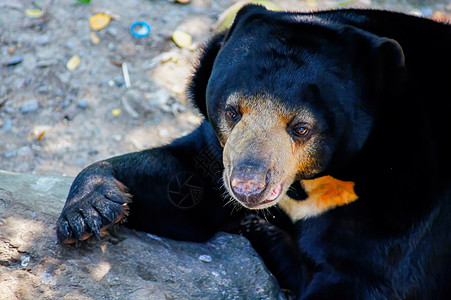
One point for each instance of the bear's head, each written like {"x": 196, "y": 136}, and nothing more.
{"x": 290, "y": 97}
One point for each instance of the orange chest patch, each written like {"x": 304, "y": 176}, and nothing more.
{"x": 324, "y": 193}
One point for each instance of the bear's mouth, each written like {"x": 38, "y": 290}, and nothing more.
{"x": 271, "y": 199}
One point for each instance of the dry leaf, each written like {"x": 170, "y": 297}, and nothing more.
{"x": 99, "y": 21}
{"x": 73, "y": 63}
{"x": 182, "y": 39}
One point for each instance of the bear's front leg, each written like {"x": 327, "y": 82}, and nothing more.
{"x": 172, "y": 191}
{"x": 278, "y": 249}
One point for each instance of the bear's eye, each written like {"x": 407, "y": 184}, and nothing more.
{"x": 232, "y": 114}
{"x": 300, "y": 130}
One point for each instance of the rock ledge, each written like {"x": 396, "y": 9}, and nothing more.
{"x": 128, "y": 265}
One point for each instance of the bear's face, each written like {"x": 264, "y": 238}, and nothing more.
{"x": 284, "y": 96}
{"x": 268, "y": 146}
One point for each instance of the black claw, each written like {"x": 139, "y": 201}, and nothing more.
{"x": 116, "y": 197}
{"x": 93, "y": 221}
{"x": 117, "y": 193}
{"x": 63, "y": 231}
{"x": 78, "y": 226}
{"x": 110, "y": 210}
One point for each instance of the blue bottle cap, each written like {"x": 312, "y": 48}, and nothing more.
{"x": 140, "y": 29}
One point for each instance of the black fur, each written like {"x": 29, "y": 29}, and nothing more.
{"x": 380, "y": 83}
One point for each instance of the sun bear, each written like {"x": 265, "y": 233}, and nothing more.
{"x": 297, "y": 105}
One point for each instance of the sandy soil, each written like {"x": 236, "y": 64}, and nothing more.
{"x": 56, "y": 121}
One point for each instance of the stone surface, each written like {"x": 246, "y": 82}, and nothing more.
{"x": 126, "y": 265}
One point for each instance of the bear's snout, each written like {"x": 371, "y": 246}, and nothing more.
{"x": 248, "y": 182}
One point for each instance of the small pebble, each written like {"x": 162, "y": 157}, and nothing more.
{"x": 117, "y": 63}
{"x": 214, "y": 273}
{"x": 111, "y": 46}
{"x": 24, "y": 260}
{"x": 119, "y": 82}
{"x": 93, "y": 152}
{"x": 11, "y": 50}
{"x": 112, "y": 31}
{"x": 9, "y": 110}
{"x": 23, "y": 151}
{"x": 43, "y": 40}
{"x": 19, "y": 82}
{"x": 83, "y": 103}
{"x": 46, "y": 63}
{"x": 9, "y": 154}
{"x": 66, "y": 104}
{"x": 43, "y": 89}
{"x": 205, "y": 258}
{"x": 63, "y": 77}
{"x": 95, "y": 39}
{"x": 4, "y": 90}
{"x": 29, "y": 106}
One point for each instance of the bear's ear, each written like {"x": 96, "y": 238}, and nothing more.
{"x": 391, "y": 52}
{"x": 202, "y": 70}
{"x": 391, "y": 63}
{"x": 197, "y": 86}
{"x": 385, "y": 63}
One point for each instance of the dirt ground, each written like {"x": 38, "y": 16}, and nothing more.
{"x": 56, "y": 121}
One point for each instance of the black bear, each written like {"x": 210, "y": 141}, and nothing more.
{"x": 356, "y": 99}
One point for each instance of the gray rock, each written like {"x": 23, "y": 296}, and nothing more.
{"x": 9, "y": 110}
{"x": 29, "y": 106}
{"x": 4, "y": 90}
{"x": 83, "y": 103}
{"x": 113, "y": 31}
{"x": 44, "y": 194}
{"x": 133, "y": 103}
{"x": 46, "y": 63}
{"x": 64, "y": 76}
{"x": 44, "y": 89}
{"x": 10, "y": 154}
{"x": 15, "y": 60}
{"x": 205, "y": 258}
{"x": 42, "y": 40}
{"x": 24, "y": 151}
{"x": 126, "y": 265}
{"x": 119, "y": 82}
{"x": 19, "y": 83}
{"x": 6, "y": 125}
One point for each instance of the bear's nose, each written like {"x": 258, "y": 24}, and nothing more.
{"x": 248, "y": 181}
